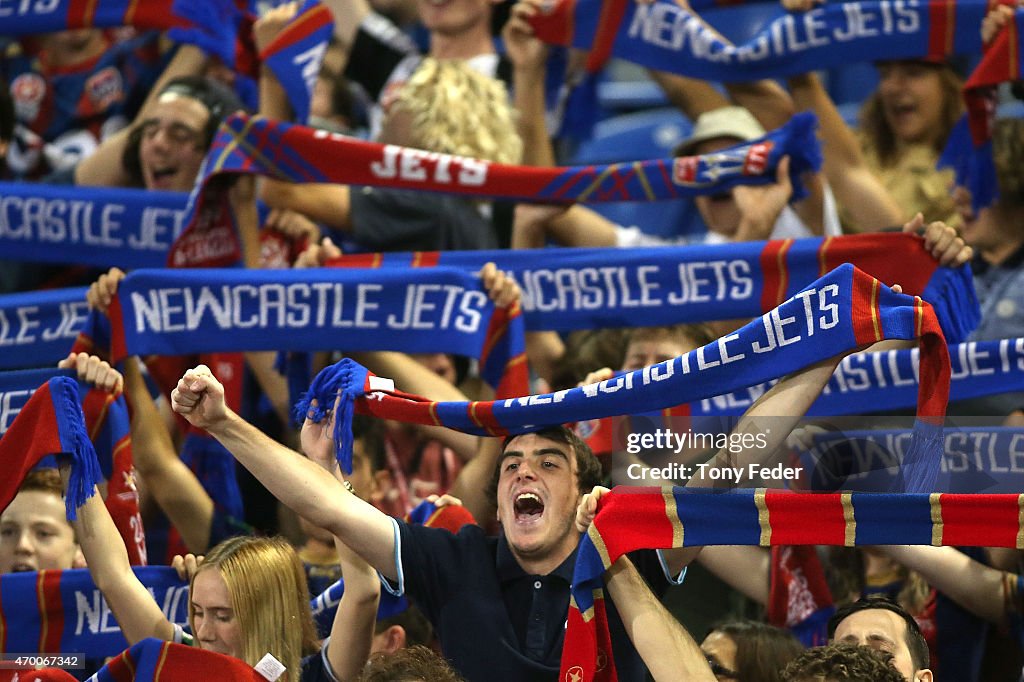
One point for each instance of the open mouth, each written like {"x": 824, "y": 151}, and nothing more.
{"x": 22, "y": 568}
{"x": 528, "y": 507}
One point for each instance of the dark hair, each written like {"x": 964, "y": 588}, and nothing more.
{"x": 695, "y": 332}
{"x": 842, "y": 663}
{"x": 218, "y": 99}
{"x": 762, "y": 650}
{"x": 418, "y": 631}
{"x": 880, "y": 136}
{"x": 1008, "y": 156}
{"x": 588, "y": 468}
{"x": 412, "y": 664}
{"x": 914, "y": 639}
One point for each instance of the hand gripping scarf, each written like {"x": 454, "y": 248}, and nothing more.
{"x": 50, "y": 423}
{"x": 129, "y": 228}
{"x": 969, "y": 147}
{"x": 669, "y": 36}
{"x": 107, "y": 427}
{"x": 841, "y": 311}
{"x": 294, "y": 153}
{"x": 211, "y": 24}
{"x": 633, "y": 518}
{"x": 565, "y": 289}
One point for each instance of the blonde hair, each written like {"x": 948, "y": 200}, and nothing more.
{"x": 267, "y": 585}
{"x": 455, "y": 109}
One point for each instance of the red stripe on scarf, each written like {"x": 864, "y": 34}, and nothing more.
{"x": 866, "y": 324}
{"x": 787, "y": 518}
{"x": 303, "y": 26}
{"x": 51, "y": 611}
{"x": 776, "y": 274}
{"x": 612, "y": 13}
{"x": 80, "y": 13}
{"x": 942, "y": 22}
{"x": 554, "y": 23}
{"x": 482, "y": 414}
{"x": 1002, "y": 524}
{"x": 425, "y": 259}
{"x": 933, "y": 389}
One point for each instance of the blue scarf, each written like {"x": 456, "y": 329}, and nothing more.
{"x": 670, "y": 37}
{"x": 63, "y": 611}
{"x": 296, "y": 54}
{"x": 975, "y": 460}
{"x": 844, "y": 309}
{"x": 37, "y": 328}
{"x": 177, "y": 312}
{"x": 129, "y": 228}
{"x": 565, "y": 289}
{"x": 888, "y": 381}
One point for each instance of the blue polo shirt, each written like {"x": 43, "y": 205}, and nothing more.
{"x": 495, "y": 621}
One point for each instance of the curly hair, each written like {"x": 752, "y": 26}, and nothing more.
{"x": 842, "y": 663}
{"x": 455, "y": 109}
{"x": 412, "y": 664}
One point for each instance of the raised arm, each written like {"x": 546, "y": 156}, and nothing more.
{"x": 353, "y": 627}
{"x": 665, "y": 646}
{"x": 290, "y": 477}
{"x": 528, "y": 56}
{"x": 133, "y": 606}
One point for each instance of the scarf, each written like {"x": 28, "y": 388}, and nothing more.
{"x": 566, "y": 289}
{"x": 840, "y": 311}
{"x": 129, "y": 228}
{"x": 282, "y": 151}
{"x": 36, "y": 328}
{"x": 168, "y": 312}
{"x": 154, "y": 660}
{"x": 50, "y": 423}
{"x": 107, "y": 426}
{"x": 974, "y": 460}
{"x": 63, "y": 611}
{"x": 888, "y": 380}
{"x": 671, "y": 37}
{"x": 635, "y": 518}
{"x": 296, "y": 54}
{"x": 968, "y": 150}
{"x": 210, "y": 24}
{"x": 798, "y": 595}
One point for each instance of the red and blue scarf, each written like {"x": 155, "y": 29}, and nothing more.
{"x": 669, "y": 36}
{"x": 636, "y": 518}
{"x": 841, "y": 311}
{"x": 565, "y": 289}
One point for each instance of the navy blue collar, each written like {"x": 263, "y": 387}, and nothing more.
{"x": 508, "y": 567}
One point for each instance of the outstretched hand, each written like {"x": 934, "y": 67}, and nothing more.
{"x": 199, "y": 398}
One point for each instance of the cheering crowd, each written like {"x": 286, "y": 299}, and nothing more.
{"x": 321, "y": 359}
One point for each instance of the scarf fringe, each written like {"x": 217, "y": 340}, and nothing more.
{"x": 85, "y": 467}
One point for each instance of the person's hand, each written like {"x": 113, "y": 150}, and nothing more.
{"x": 501, "y": 288}
{"x": 597, "y": 376}
{"x": 444, "y": 500}
{"x": 94, "y": 371}
{"x": 199, "y": 398}
{"x": 270, "y": 25}
{"x": 941, "y": 240}
{"x": 760, "y": 205}
{"x": 315, "y": 255}
{"x": 587, "y": 508}
{"x": 187, "y": 566}
{"x": 801, "y": 5}
{"x": 102, "y": 291}
{"x": 293, "y": 225}
{"x": 996, "y": 19}
{"x": 317, "y": 441}
{"x": 524, "y": 50}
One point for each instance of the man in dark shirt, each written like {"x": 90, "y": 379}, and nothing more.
{"x": 499, "y": 604}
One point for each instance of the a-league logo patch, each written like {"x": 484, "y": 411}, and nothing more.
{"x": 104, "y": 88}
{"x": 28, "y": 91}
